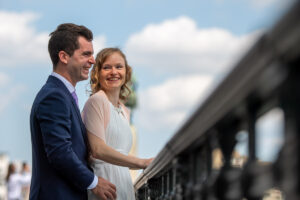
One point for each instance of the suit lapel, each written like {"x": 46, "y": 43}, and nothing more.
{"x": 78, "y": 116}
{"x": 61, "y": 85}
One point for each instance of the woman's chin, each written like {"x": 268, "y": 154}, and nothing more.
{"x": 114, "y": 88}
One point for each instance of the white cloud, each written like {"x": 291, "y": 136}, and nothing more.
{"x": 167, "y": 104}
{"x": 22, "y": 45}
{"x": 179, "y": 46}
{"x": 99, "y": 43}
{"x": 194, "y": 56}
{"x": 8, "y": 91}
{"x": 19, "y": 41}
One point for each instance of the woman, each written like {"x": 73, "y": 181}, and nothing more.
{"x": 107, "y": 122}
{"x": 15, "y": 182}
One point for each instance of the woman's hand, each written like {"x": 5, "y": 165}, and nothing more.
{"x": 146, "y": 162}
{"x": 142, "y": 164}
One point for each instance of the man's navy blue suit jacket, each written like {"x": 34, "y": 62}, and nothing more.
{"x": 59, "y": 146}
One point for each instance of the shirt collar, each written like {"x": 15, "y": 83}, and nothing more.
{"x": 70, "y": 87}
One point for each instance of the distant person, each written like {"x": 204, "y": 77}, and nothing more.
{"x": 107, "y": 122}
{"x": 15, "y": 182}
{"x": 26, "y": 175}
{"x": 59, "y": 142}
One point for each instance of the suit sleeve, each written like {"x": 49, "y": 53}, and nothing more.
{"x": 53, "y": 114}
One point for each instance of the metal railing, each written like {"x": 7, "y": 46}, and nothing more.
{"x": 199, "y": 161}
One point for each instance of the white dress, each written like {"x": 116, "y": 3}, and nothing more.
{"x": 15, "y": 184}
{"x": 115, "y": 131}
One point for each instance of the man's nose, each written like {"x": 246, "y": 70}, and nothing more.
{"x": 92, "y": 60}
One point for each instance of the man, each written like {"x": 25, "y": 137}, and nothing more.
{"x": 59, "y": 143}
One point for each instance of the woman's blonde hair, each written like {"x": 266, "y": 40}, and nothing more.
{"x": 95, "y": 72}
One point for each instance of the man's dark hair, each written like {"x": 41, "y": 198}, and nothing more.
{"x": 65, "y": 38}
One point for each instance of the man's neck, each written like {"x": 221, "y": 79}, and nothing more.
{"x": 70, "y": 87}
{"x": 65, "y": 75}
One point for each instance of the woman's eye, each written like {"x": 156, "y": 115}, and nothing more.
{"x": 106, "y": 67}
{"x": 119, "y": 66}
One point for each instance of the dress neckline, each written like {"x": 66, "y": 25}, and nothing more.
{"x": 118, "y": 109}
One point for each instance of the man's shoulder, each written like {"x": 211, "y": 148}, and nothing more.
{"x": 50, "y": 91}
{"x": 51, "y": 100}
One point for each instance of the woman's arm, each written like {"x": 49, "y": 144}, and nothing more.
{"x": 104, "y": 152}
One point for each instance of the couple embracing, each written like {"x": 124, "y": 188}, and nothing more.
{"x": 82, "y": 155}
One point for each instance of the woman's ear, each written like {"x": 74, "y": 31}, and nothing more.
{"x": 63, "y": 57}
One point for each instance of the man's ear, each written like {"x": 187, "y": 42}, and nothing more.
{"x": 63, "y": 57}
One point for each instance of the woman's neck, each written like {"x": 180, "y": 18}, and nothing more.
{"x": 113, "y": 97}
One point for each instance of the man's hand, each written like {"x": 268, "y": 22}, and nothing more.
{"x": 105, "y": 190}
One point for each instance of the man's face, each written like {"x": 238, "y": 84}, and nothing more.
{"x": 81, "y": 61}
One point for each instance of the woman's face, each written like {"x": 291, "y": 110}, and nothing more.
{"x": 113, "y": 72}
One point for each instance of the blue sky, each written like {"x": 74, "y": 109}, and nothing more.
{"x": 179, "y": 51}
